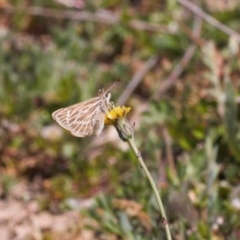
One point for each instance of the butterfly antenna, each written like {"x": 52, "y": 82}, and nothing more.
{"x": 112, "y": 86}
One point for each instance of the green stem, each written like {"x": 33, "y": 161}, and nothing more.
{"x": 153, "y": 185}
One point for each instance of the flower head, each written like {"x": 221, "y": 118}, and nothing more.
{"x": 117, "y": 117}
{"x": 115, "y": 114}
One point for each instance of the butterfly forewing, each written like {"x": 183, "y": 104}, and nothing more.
{"x": 84, "y": 119}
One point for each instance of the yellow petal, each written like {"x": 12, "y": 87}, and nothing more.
{"x": 115, "y": 114}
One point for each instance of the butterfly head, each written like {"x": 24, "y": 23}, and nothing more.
{"x": 106, "y": 95}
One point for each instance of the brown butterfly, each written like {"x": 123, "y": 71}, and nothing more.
{"x": 85, "y": 118}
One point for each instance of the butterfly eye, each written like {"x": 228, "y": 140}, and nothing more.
{"x": 108, "y": 95}
{"x": 100, "y": 91}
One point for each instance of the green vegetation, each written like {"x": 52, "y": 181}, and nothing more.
{"x": 188, "y": 135}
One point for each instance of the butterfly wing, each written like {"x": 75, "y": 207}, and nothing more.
{"x": 84, "y": 123}
{"x": 81, "y": 119}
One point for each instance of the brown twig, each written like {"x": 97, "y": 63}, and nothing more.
{"x": 102, "y": 16}
{"x": 169, "y": 152}
{"x": 192, "y": 35}
{"x": 237, "y": 100}
{"x": 214, "y": 22}
{"x": 139, "y": 75}
{"x": 177, "y": 71}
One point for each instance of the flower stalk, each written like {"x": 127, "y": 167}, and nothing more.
{"x": 132, "y": 144}
{"x": 117, "y": 117}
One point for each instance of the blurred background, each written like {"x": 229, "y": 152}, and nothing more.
{"x": 178, "y": 62}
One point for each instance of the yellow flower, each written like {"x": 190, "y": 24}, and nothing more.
{"x": 117, "y": 117}
{"x": 115, "y": 114}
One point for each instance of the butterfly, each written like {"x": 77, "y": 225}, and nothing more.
{"x": 85, "y": 118}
